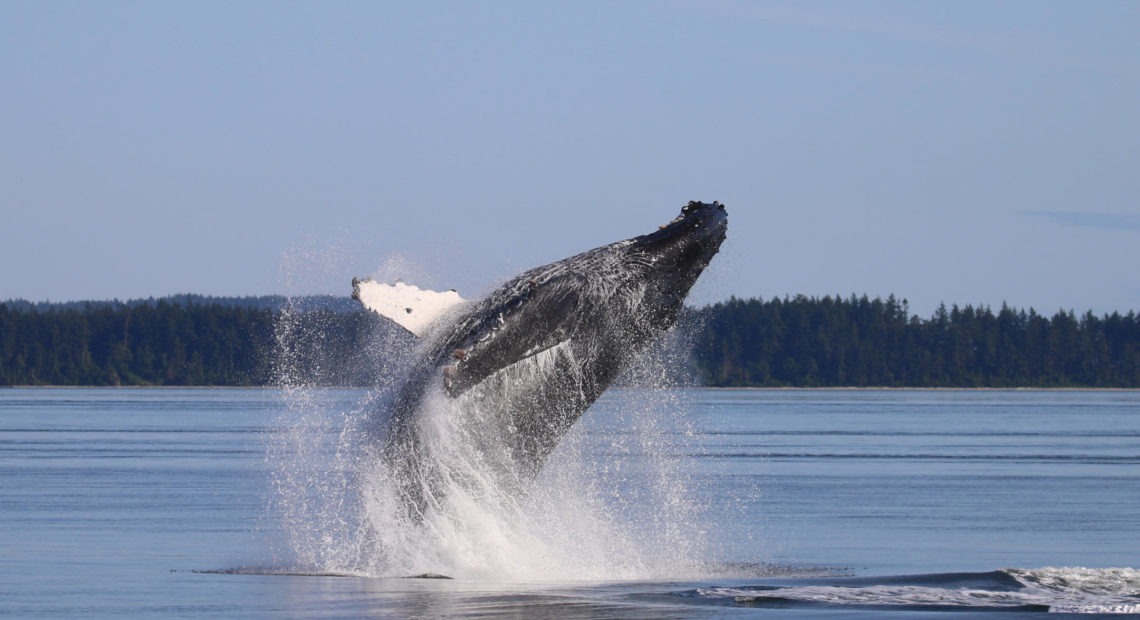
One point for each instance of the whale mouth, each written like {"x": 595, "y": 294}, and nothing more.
{"x": 696, "y": 233}
{"x": 696, "y": 215}
{"x": 682, "y": 249}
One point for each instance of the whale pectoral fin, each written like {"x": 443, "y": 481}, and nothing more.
{"x": 411, "y": 307}
{"x": 461, "y": 376}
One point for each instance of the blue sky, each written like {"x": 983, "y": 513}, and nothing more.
{"x": 958, "y": 152}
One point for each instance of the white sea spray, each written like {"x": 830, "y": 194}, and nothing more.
{"x": 608, "y": 504}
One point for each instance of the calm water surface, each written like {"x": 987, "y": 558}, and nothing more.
{"x": 154, "y": 503}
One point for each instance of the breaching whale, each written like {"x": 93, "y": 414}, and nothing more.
{"x": 520, "y": 366}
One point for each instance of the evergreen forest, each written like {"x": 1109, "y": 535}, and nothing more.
{"x": 791, "y": 342}
{"x": 860, "y": 342}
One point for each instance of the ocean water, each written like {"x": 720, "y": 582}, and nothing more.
{"x": 202, "y": 503}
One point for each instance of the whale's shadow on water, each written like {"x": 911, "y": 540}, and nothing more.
{"x": 1030, "y": 591}
{"x": 827, "y": 591}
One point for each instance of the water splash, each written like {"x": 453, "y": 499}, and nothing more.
{"x": 609, "y": 504}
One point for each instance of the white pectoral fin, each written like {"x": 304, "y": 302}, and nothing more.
{"x": 412, "y": 308}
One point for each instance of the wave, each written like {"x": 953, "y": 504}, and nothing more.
{"x": 1056, "y": 590}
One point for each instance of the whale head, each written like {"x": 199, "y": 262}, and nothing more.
{"x": 608, "y": 302}
{"x": 672, "y": 258}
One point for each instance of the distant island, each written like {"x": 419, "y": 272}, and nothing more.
{"x": 194, "y": 340}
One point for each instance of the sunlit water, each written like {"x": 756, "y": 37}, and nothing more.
{"x": 685, "y": 503}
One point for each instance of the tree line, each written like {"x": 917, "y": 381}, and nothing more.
{"x": 794, "y": 341}
{"x": 833, "y": 342}
{"x": 164, "y": 343}
{"x": 186, "y": 341}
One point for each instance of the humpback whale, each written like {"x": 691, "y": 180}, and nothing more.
{"x": 516, "y": 369}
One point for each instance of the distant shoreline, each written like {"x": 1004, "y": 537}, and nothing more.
{"x": 693, "y": 387}
{"x": 796, "y": 341}
{"x": 925, "y": 389}
{"x": 142, "y": 387}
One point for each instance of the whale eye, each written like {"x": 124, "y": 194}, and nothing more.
{"x": 408, "y": 310}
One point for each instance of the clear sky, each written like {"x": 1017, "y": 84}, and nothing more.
{"x": 959, "y": 152}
